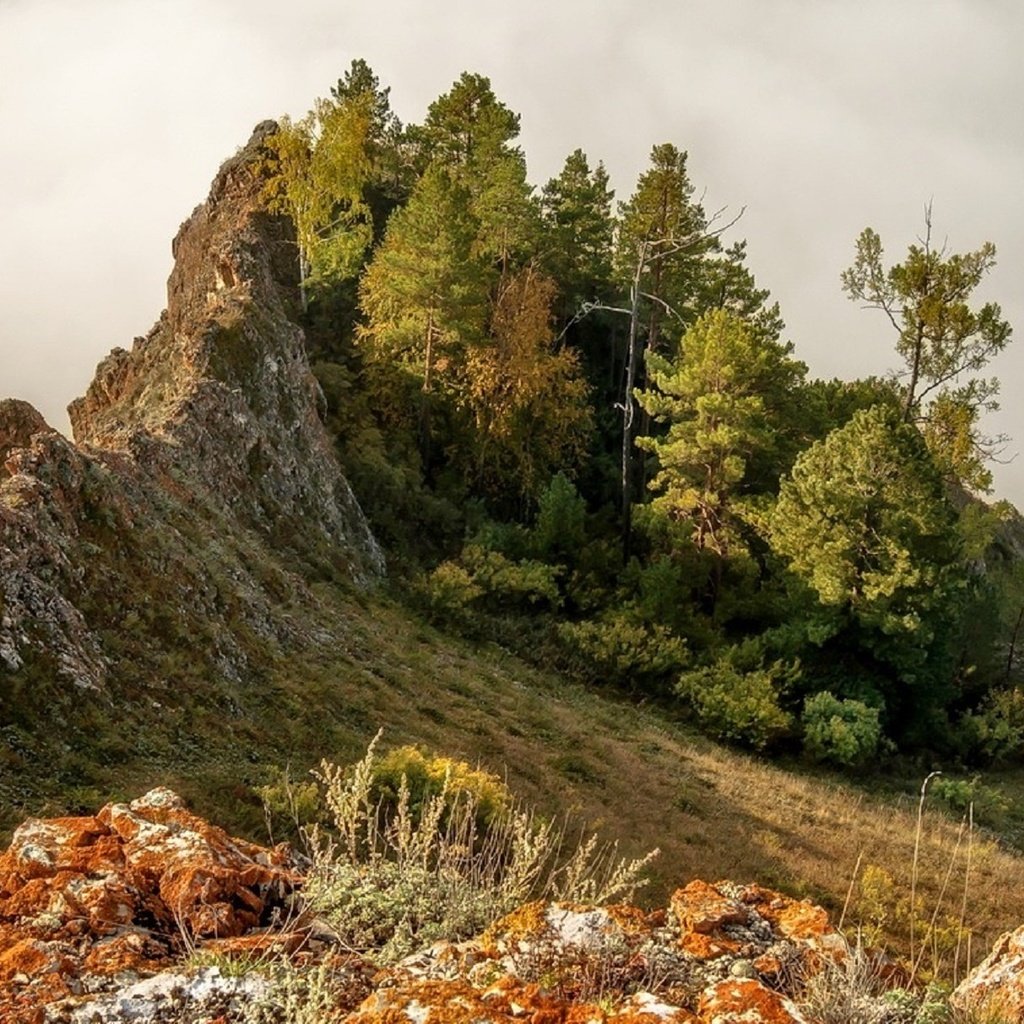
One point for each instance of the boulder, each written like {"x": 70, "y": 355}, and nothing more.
{"x": 994, "y": 990}
{"x": 92, "y": 904}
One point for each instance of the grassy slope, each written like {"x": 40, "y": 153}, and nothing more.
{"x": 621, "y": 768}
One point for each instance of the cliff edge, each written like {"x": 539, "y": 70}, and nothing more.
{"x": 201, "y": 489}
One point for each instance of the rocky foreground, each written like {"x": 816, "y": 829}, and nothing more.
{"x": 146, "y": 912}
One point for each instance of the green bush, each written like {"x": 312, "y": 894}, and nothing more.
{"x": 560, "y": 530}
{"x": 996, "y": 730}
{"x": 447, "y": 594}
{"x": 524, "y": 584}
{"x": 844, "y": 732}
{"x": 427, "y": 775}
{"x": 742, "y": 707}
{"x": 617, "y": 649}
{"x": 960, "y": 794}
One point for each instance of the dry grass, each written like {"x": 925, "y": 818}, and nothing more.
{"x": 619, "y": 768}
{"x": 646, "y": 782}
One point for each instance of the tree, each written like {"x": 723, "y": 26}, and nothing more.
{"x": 468, "y": 127}
{"x": 390, "y": 170}
{"x": 578, "y": 231}
{"x": 943, "y": 342}
{"x": 527, "y": 399}
{"x": 720, "y": 398}
{"x": 423, "y": 296}
{"x": 864, "y": 523}
{"x": 360, "y": 81}
{"x": 321, "y": 168}
{"x": 664, "y": 233}
{"x": 337, "y": 174}
{"x": 664, "y": 260}
{"x": 470, "y": 132}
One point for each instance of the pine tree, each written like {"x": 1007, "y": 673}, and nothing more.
{"x": 864, "y": 522}
{"x": 424, "y": 297}
{"x": 720, "y": 398}
{"x": 943, "y": 342}
{"x": 578, "y": 231}
{"x": 470, "y": 132}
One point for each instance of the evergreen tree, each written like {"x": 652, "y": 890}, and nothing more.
{"x": 721, "y": 398}
{"x": 470, "y": 132}
{"x": 864, "y": 522}
{"x": 578, "y": 232}
{"x": 943, "y": 342}
{"x": 424, "y": 296}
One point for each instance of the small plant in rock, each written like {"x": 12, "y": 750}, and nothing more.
{"x": 607, "y": 971}
{"x": 852, "y": 989}
{"x": 324, "y": 993}
{"x": 390, "y": 880}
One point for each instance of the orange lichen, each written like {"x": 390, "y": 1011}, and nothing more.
{"x": 746, "y": 1000}
{"x": 707, "y": 947}
{"x": 701, "y": 908}
{"x": 527, "y": 922}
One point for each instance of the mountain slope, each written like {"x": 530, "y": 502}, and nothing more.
{"x": 184, "y": 601}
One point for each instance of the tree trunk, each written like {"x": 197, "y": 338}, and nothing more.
{"x": 629, "y": 407}
{"x": 1013, "y": 645}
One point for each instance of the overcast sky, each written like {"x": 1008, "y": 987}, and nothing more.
{"x": 819, "y": 116}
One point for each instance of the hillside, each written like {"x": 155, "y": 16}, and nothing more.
{"x": 192, "y": 597}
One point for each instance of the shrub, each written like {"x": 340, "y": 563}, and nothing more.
{"x": 960, "y": 794}
{"x": 510, "y": 584}
{"x": 389, "y": 882}
{"x": 742, "y": 707}
{"x": 425, "y": 776}
{"x": 998, "y": 726}
{"x": 560, "y": 529}
{"x": 617, "y": 649}
{"x": 447, "y": 593}
{"x": 288, "y": 804}
{"x": 845, "y": 732}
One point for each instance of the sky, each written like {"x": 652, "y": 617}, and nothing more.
{"x": 815, "y": 117}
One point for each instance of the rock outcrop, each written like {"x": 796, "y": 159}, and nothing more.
{"x": 200, "y": 469}
{"x": 994, "y": 990}
{"x": 98, "y": 916}
{"x": 91, "y": 905}
{"x": 145, "y": 912}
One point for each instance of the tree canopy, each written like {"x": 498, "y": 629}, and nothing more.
{"x": 511, "y": 375}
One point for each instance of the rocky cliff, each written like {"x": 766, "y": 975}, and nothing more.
{"x": 204, "y": 437}
{"x": 170, "y": 547}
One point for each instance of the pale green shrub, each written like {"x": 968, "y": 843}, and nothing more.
{"x": 525, "y": 583}
{"x": 448, "y": 593}
{"x": 742, "y": 707}
{"x": 997, "y": 728}
{"x": 390, "y": 881}
{"x": 620, "y": 650}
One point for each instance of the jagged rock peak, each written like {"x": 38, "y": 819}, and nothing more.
{"x": 222, "y": 380}
{"x": 19, "y": 421}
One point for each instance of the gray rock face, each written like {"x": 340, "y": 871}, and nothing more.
{"x": 200, "y": 471}
{"x": 222, "y": 380}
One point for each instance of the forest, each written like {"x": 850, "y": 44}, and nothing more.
{"x": 577, "y": 428}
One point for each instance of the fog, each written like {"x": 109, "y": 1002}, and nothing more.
{"x": 820, "y": 120}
